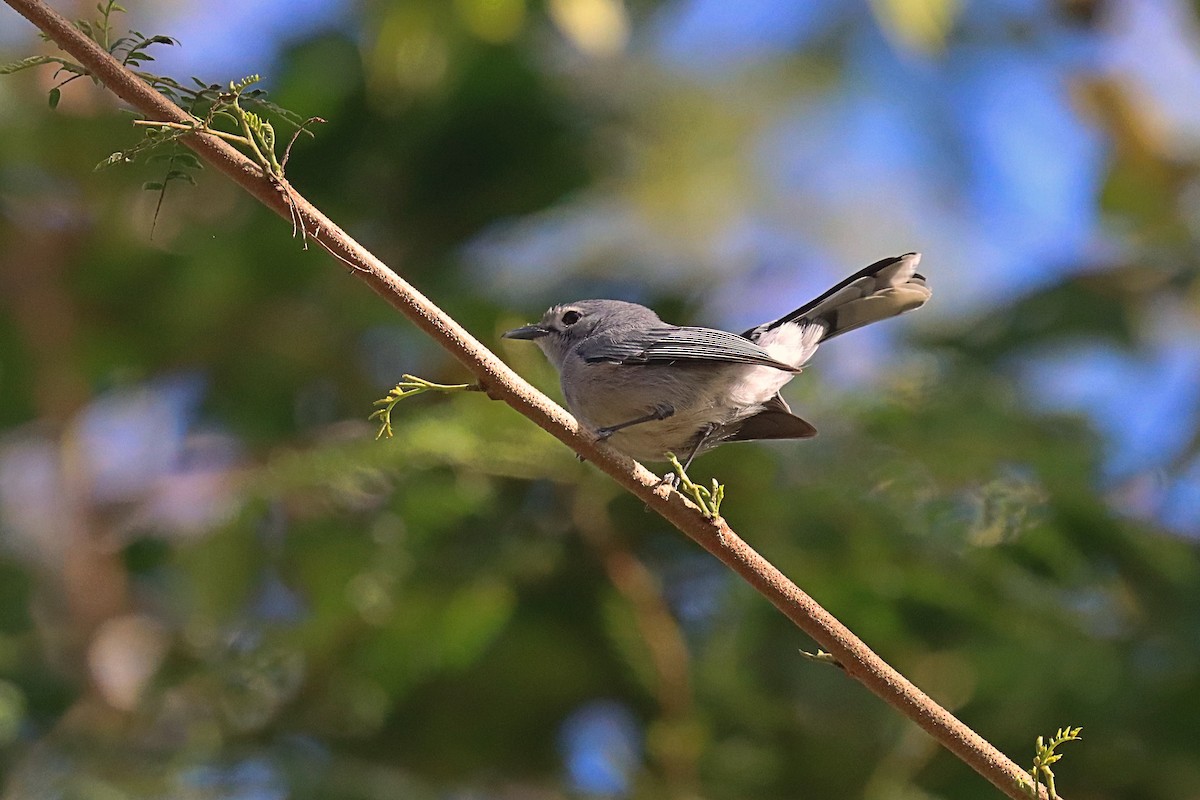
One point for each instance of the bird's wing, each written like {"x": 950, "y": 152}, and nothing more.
{"x": 678, "y": 344}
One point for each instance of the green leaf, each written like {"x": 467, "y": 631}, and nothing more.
{"x": 126, "y": 156}
{"x": 181, "y": 160}
{"x": 25, "y": 63}
{"x": 55, "y": 96}
{"x": 69, "y": 66}
{"x": 152, "y": 186}
{"x": 239, "y": 86}
{"x": 180, "y": 175}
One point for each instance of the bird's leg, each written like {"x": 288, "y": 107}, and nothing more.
{"x": 709, "y": 430}
{"x": 661, "y": 411}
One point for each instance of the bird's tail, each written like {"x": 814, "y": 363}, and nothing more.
{"x": 884, "y": 289}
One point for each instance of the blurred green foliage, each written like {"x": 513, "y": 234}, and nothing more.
{"x": 316, "y": 614}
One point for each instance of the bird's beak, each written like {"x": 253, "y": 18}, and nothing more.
{"x": 528, "y": 332}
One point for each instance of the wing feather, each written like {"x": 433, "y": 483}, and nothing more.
{"x": 772, "y": 423}
{"x": 679, "y": 344}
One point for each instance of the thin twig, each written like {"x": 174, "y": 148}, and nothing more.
{"x": 193, "y": 128}
{"x": 301, "y": 128}
{"x": 714, "y": 535}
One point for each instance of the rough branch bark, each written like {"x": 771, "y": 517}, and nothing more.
{"x": 714, "y": 536}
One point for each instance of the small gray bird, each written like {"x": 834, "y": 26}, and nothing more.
{"x": 650, "y": 388}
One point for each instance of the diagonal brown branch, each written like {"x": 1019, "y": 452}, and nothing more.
{"x": 713, "y": 535}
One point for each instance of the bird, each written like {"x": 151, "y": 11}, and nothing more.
{"x": 652, "y": 390}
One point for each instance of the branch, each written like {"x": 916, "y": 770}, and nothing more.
{"x": 501, "y": 382}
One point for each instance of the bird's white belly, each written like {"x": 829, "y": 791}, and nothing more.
{"x": 702, "y": 395}
{"x": 651, "y": 441}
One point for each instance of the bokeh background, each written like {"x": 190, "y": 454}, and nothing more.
{"x": 214, "y": 583}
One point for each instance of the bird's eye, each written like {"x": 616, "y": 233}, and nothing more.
{"x": 571, "y": 317}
